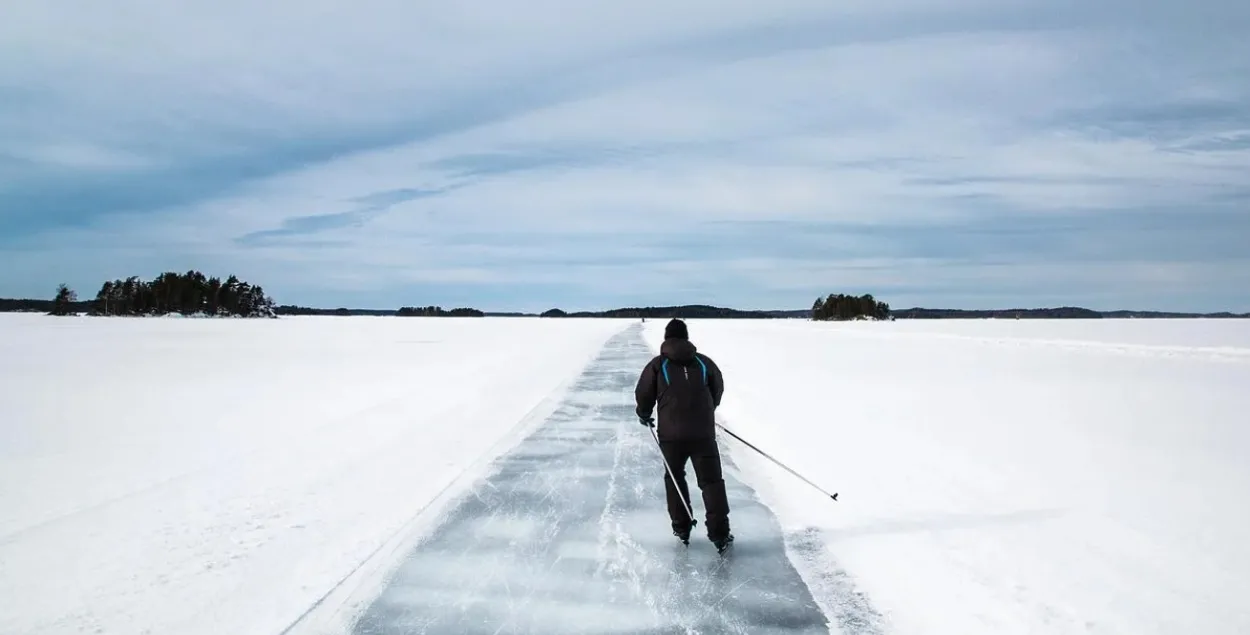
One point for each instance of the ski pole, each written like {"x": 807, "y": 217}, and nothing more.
{"x": 834, "y": 496}
{"x": 672, "y": 476}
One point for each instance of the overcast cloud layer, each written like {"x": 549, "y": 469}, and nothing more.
{"x": 523, "y": 155}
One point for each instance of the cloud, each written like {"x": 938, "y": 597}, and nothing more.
{"x": 371, "y": 205}
{"x": 611, "y": 152}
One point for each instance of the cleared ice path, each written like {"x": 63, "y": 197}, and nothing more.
{"x": 569, "y": 535}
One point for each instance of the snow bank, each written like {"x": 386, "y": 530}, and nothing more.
{"x": 220, "y": 476}
{"x": 1005, "y": 477}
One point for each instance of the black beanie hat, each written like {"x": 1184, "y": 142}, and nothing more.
{"x": 676, "y": 330}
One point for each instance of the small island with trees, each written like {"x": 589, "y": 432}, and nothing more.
{"x": 192, "y": 293}
{"x": 848, "y": 307}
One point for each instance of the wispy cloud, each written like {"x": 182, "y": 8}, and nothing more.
{"x": 371, "y": 205}
{"x": 521, "y": 155}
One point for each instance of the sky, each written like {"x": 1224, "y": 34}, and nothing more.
{"x": 587, "y": 155}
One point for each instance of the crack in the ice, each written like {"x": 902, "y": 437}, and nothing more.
{"x": 609, "y": 498}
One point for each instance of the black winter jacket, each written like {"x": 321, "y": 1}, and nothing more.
{"x": 687, "y": 402}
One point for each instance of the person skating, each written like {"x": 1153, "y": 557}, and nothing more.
{"x": 684, "y": 388}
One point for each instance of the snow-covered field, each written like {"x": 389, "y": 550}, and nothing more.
{"x": 222, "y": 476}
{"x": 172, "y": 476}
{"x": 1006, "y": 476}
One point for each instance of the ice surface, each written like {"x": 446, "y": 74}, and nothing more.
{"x": 570, "y": 535}
{"x": 1004, "y": 476}
{"x": 220, "y": 476}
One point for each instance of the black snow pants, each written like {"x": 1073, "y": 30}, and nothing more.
{"x": 705, "y": 457}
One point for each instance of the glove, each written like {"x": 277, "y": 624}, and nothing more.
{"x": 648, "y": 421}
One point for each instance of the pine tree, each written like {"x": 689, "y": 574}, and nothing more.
{"x": 102, "y": 303}
{"x": 65, "y": 297}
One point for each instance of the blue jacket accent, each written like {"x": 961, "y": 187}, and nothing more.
{"x": 664, "y": 369}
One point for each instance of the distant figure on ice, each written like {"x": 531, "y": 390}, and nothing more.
{"x": 687, "y": 387}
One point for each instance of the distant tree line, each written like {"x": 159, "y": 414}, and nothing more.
{"x": 438, "y": 311}
{"x": 849, "y": 307}
{"x": 291, "y": 309}
{"x": 693, "y": 311}
{"x": 193, "y": 293}
{"x": 1054, "y": 313}
{"x": 44, "y": 305}
{"x": 429, "y": 311}
{"x": 1057, "y": 313}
